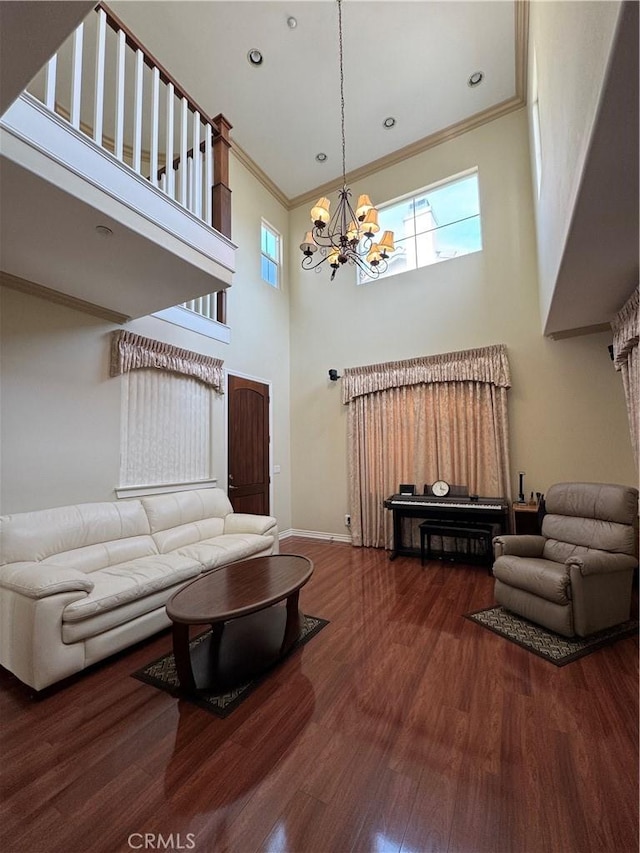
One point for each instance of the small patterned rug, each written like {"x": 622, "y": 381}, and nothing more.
{"x": 552, "y": 647}
{"x": 161, "y": 673}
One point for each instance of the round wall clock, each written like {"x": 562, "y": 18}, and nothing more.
{"x": 440, "y": 488}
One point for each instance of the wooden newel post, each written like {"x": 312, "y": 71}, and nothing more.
{"x": 221, "y": 197}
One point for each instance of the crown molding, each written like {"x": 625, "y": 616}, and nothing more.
{"x": 23, "y": 285}
{"x": 261, "y": 176}
{"x": 445, "y": 135}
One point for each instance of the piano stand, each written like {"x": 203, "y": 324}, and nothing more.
{"x": 481, "y": 517}
{"x": 479, "y": 534}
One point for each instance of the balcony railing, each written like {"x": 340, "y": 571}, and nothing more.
{"x": 109, "y": 87}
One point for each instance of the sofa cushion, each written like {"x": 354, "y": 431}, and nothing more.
{"x": 98, "y": 623}
{"x": 91, "y": 558}
{"x": 540, "y": 577}
{"x": 603, "y": 501}
{"x": 171, "y": 540}
{"x": 120, "y": 584}
{"x": 172, "y": 510}
{"x": 41, "y": 534}
{"x": 227, "y": 548}
{"x": 184, "y": 518}
{"x": 590, "y": 533}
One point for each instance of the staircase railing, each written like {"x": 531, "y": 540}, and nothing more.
{"x": 107, "y": 85}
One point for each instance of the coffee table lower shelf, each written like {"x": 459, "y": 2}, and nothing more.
{"x": 236, "y": 651}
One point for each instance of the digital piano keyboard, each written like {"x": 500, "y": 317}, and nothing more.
{"x": 485, "y": 512}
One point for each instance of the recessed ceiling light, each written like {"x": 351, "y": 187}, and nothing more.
{"x": 321, "y": 157}
{"x": 254, "y": 56}
{"x": 389, "y": 122}
{"x": 475, "y": 79}
{"x": 103, "y": 231}
{"x": 291, "y": 22}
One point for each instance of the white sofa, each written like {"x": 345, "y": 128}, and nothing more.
{"x": 79, "y": 583}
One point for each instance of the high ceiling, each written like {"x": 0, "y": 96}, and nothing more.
{"x": 406, "y": 60}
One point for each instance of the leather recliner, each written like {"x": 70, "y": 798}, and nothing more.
{"x": 575, "y": 578}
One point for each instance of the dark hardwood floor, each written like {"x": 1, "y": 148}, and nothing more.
{"x": 400, "y": 727}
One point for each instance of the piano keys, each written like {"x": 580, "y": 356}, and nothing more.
{"x": 492, "y": 513}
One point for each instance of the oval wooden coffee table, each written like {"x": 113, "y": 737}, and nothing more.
{"x": 249, "y": 633}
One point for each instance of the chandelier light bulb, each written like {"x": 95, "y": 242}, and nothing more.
{"x": 308, "y": 245}
{"x": 370, "y": 225}
{"x": 364, "y": 206}
{"x": 320, "y": 212}
{"x": 386, "y": 244}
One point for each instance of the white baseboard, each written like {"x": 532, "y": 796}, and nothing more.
{"x": 317, "y": 534}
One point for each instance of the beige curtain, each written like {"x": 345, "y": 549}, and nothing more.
{"x": 625, "y": 358}
{"x": 445, "y": 417}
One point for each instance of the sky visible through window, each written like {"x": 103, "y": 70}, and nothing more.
{"x": 434, "y": 225}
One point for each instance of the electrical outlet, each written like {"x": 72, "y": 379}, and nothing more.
{"x": 347, "y": 521}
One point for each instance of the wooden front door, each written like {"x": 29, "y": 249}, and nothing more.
{"x": 248, "y": 431}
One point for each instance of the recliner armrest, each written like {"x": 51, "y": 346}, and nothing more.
{"x": 244, "y": 522}
{"x": 601, "y": 562}
{"x": 518, "y": 545}
{"x": 38, "y": 580}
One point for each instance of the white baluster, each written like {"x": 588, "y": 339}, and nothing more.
{"x": 199, "y": 305}
{"x": 76, "y": 76}
{"x": 98, "y": 111}
{"x": 196, "y": 195}
{"x": 50, "y": 83}
{"x": 170, "y": 184}
{"x": 206, "y": 306}
{"x": 208, "y": 172}
{"x": 155, "y": 122}
{"x": 120, "y": 56}
{"x": 137, "y": 112}
{"x": 184, "y": 171}
{"x": 189, "y": 202}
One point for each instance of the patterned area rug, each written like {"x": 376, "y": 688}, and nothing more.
{"x": 161, "y": 673}
{"x": 552, "y": 647}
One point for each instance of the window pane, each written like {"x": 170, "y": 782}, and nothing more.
{"x": 399, "y": 218}
{"x": 272, "y": 249}
{"x": 263, "y": 239}
{"x": 454, "y": 201}
{"x": 452, "y": 241}
{"x": 269, "y": 271}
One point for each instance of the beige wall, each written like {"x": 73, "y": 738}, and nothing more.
{"x": 60, "y": 423}
{"x": 572, "y": 43}
{"x": 566, "y": 406}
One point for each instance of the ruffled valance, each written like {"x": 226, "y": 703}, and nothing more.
{"x": 131, "y": 352}
{"x": 486, "y": 364}
{"x": 625, "y": 329}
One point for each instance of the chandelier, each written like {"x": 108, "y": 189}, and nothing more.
{"x": 347, "y": 235}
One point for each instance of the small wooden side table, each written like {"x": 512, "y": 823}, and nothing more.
{"x": 525, "y": 519}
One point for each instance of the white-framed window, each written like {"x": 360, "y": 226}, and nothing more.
{"x": 434, "y": 224}
{"x": 270, "y": 253}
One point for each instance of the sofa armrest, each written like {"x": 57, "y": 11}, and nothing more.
{"x": 36, "y": 580}
{"x": 602, "y": 562}
{"x": 518, "y": 545}
{"x": 244, "y": 522}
